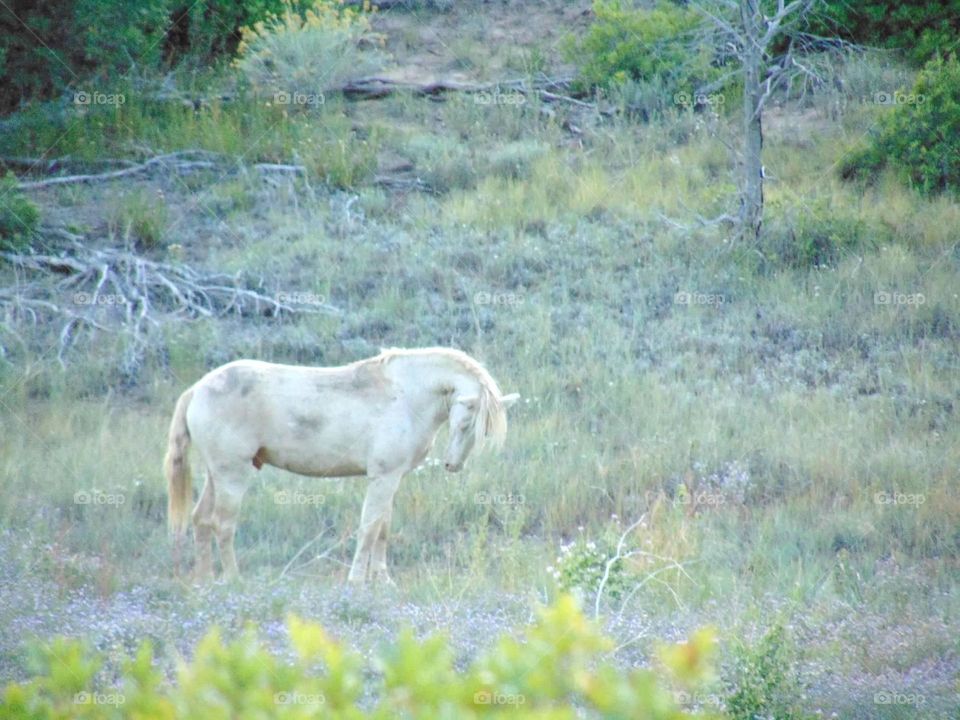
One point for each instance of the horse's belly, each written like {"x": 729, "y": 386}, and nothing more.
{"x": 319, "y": 464}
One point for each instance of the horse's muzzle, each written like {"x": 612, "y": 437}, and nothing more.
{"x": 450, "y": 467}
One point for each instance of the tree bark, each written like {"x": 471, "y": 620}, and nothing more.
{"x": 751, "y": 198}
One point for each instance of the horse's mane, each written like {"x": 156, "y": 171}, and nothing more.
{"x": 491, "y": 418}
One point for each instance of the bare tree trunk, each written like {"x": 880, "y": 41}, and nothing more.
{"x": 751, "y": 197}
{"x": 752, "y": 34}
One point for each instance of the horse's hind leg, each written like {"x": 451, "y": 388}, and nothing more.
{"x": 203, "y": 531}
{"x": 232, "y": 483}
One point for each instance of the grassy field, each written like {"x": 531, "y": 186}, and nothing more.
{"x": 781, "y": 420}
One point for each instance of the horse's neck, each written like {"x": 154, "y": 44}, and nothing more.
{"x": 425, "y": 379}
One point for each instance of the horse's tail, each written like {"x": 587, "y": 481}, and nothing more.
{"x": 176, "y": 467}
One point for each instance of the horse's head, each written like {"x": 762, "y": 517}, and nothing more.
{"x": 470, "y": 419}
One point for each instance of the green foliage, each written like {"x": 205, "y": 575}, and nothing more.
{"x": 920, "y": 138}
{"x": 142, "y": 217}
{"x": 921, "y": 29}
{"x": 557, "y": 671}
{"x": 812, "y": 234}
{"x": 653, "y": 51}
{"x": 765, "y": 682}
{"x": 582, "y": 564}
{"x": 18, "y": 216}
{"x": 52, "y": 46}
{"x": 214, "y": 27}
{"x": 296, "y": 54}
{"x": 245, "y": 128}
{"x": 336, "y": 154}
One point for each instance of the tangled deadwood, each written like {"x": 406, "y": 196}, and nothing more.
{"x": 111, "y": 290}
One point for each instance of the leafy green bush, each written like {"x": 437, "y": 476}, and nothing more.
{"x": 48, "y": 47}
{"x": 921, "y": 29}
{"x": 582, "y": 564}
{"x": 653, "y": 51}
{"x": 920, "y": 138}
{"x": 18, "y": 217}
{"x": 765, "y": 683}
{"x": 559, "y": 670}
{"x": 294, "y": 56}
{"x": 211, "y": 28}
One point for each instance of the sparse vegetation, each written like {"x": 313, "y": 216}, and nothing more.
{"x": 141, "y": 219}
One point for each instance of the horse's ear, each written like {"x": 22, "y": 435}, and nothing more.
{"x": 509, "y": 400}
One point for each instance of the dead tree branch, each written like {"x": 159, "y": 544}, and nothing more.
{"x": 121, "y": 292}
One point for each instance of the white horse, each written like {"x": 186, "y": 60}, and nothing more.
{"x": 376, "y": 417}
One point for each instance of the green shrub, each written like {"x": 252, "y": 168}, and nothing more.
{"x": 582, "y": 564}
{"x": 765, "y": 682}
{"x": 18, "y": 217}
{"x": 920, "y": 138}
{"x": 212, "y": 28}
{"x": 653, "y": 50}
{"x": 560, "y": 670}
{"x": 921, "y": 29}
{"x": 48, "y": 47}
{"x": 60, "y": 46}
{"x": 812, "y": 235}
{"x": 294, "y": 56}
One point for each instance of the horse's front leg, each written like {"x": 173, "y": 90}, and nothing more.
{"x": 378, "y": 561}
{"x": 376, "y": 511}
